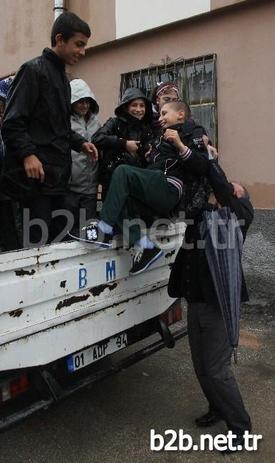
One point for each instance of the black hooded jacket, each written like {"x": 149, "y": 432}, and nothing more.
{"x": 111, "y": 138}
{"x": 37, "y": 121}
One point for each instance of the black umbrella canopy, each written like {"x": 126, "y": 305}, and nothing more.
{"x": 223, "y": 248}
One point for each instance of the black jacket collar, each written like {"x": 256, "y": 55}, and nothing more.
{"x": 52, "y": 56}
{"x": 185, "y": 128}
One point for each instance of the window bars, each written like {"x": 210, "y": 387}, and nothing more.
{"x": 197, "y": 82}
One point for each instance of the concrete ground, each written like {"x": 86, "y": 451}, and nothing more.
{"x": 111, "y": 421}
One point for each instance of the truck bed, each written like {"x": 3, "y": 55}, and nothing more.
{"x": 61, "y": 298}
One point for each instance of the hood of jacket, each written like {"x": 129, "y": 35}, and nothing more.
{"x": 79, "y": 90}
{"x": 131, "y": 94}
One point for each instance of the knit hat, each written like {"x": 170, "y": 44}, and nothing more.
{"x": 164, "y": 87}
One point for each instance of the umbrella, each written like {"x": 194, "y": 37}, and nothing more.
{"x": 223, "y": 248}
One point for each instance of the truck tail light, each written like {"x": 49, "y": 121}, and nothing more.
{"x": 13, "y": 388}
{"x": 174, "y": 314}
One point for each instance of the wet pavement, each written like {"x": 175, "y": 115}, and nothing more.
{"x": 111, "y": 421}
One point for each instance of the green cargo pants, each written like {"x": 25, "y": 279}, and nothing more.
{"x": 136, "y": 193}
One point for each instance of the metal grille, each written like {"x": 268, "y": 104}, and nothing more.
{"x": 196, "y": 79}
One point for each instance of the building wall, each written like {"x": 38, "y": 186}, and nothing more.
{"x": 25, "y": 25}
{"x": 101, "y": 17}
{"x": 244, "y": 43}
{"x": 24, "y": 31}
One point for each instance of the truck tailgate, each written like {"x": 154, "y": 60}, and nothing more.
{"x": 61, "y": 298}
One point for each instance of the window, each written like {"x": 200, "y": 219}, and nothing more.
{"x": 196, "y": 79}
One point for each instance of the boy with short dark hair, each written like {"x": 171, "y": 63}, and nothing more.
{"x": 37, "y": 129}
{"x": 156, "y": 190}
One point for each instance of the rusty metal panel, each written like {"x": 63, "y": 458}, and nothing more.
{"x": 61, "y": 298}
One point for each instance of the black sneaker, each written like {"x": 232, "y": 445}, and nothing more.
{"x": 92, "y": 234}
{"x": 144, "y": 258}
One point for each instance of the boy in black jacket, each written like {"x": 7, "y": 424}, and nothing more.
{"x": 125, "y": 138}
{"x": 210, "y": 349}
{"x": 37, "y": 130}
{"x": 154, "y": 191}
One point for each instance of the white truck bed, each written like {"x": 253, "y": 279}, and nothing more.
{"x": 64, "y": 297}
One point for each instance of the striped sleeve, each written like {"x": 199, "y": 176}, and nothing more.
{"x": 186, "y": 154}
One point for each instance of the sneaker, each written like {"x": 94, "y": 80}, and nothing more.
{"x": 144, "y": 258}
{"x": 92, "y": 234}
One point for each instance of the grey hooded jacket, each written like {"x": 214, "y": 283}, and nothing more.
{"x": 84, "y": 170}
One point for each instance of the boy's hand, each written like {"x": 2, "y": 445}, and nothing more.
{"x": 148, "y": 152}
{"x": 90, "y": 150}
{"x": 132, "y": 146}
{"x": 173, "y": 136}
{"x": 34, "y": 168}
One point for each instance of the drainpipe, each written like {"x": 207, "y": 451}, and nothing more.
{"x": 59, "y": 8}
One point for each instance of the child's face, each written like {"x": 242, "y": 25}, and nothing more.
{"x": 82, "y": 107}
{"x": 71, "y": 50}
{"x": 166, "y": 98}
{"x": 136, "y": 108}
{"x": 170, "y": 116}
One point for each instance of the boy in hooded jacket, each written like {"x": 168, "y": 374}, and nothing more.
{"x": 125, "y": 138}
{"x": 82, "y": 195}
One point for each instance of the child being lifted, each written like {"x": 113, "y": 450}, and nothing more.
{"x": 153, "y": 191}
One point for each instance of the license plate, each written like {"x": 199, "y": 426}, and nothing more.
{"x": 96, "y": 352}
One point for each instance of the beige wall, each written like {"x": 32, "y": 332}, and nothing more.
{"x": 24, "y": 31}
{"x": 244, "y": 43}
{"x": 100, "y": 15}
{"x": 216, "y": 4}
{"x": 25, "y": 26}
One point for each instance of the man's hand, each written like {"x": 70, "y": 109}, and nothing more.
{"x": 212, "y": 151}
{"x": 173, "y": 136}
{"x": 239, "y": 191}
{"x": 34, "y": 168}
{"x": 132, "y": 146}
{"x": 90, "y": 150}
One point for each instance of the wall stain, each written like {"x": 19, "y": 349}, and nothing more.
{"x": 63, "y": 283}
